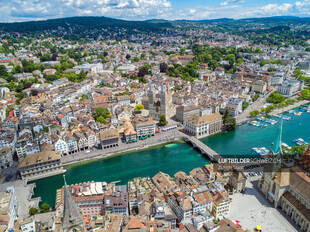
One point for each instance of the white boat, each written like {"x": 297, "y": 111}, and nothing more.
{"x": 298, "y": 113}
{"x": 287, "y": 118}
{"x": 300, "y": 141}
{"x": 286, "y": 145}
{"x": 261, "y": 150}
{"x": 308, "y": 109}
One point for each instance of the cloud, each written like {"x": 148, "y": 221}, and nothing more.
{"x": 228, "y": 2}
{"x": 275, "y": 9}
{"x": 299, "y": 8}
{"x": 127, "y": 9}
{"x": 23, "y": 10}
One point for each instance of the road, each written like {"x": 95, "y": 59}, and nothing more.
{"x": 257, "y": 105}
{"x": 160, "y": 138}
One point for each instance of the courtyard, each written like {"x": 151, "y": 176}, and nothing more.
{"x": 252, "y": 209}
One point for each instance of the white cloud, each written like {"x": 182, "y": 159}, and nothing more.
{"x": 275, "y": 9}
{"x": 21, "y": 10}
{"x": 228, "y": 2}
{"x": 127, "y": 9}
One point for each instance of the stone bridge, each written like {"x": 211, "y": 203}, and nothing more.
{"x": 203, "y": 148}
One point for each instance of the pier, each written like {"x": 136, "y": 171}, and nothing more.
{"x": 212, "y": 155}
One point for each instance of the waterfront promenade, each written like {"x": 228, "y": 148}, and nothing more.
{"x": 245, "y": 116}
{"x": 157, "y": 139}
{"x": 257, "y": 105}
{"x": 290, "y": 107}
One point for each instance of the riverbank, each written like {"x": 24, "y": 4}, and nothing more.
{"x": 169, "y": 158}
{"x": 128, "y": 152}
{"x": 276, "y": 111}
{"x": 174, "y": 157}
{"x": 290, "y": 107}
{"x": 157, "y": 140}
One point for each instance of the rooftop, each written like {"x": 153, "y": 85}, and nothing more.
{"x": 39, "y": 158}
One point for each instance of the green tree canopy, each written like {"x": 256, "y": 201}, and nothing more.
{"x": 45, "y": 208}
{"x": 162, "y": 120}
{"x": 101, "y": 119}
{"x": 305, "y": 94}
{"x": 101, "y": 111}
{"x": 229, "y": 121}
{"x": 254, "y": 113}
{"x": 3, "y": 71}
{"x": 84, "y": 97}
{"x": 275, "y": 98}
{"x": 231, "y": 58}
{"x": 33, "y": 211}
{"x": 255, "y": 97}
{"x": 139, "y": 107}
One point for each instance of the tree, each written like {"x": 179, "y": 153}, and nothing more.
{"x": 143, "y": 71}
{"x": 299, "y": 150}
{"x": 239, "y": 61}
{"x": 255, "y": 97}
{"x": 275, "y": 98}
{"x": 128, "y": 56}
{"x": 298, "y": 73}
{"x": 105, "y": 53}
{"x": 3, "y": 71}
{"x": 162, "y": 120}
{"x": 84, "y": 97}
{"x": 54, "y": 57}
{"x": 45, "y": 208}
{"x": 231, "y": 58}
{"x": 229, "y": 121}
{"x": 245, "y": 105}
{"x": 269, "y": 108}
{"x": 305, "y": 94}
{"x": 101, "y": 119}
{"x": 163, "y": 67}
{"x": 254, "y": 113}
{"x": 33, "y": 211}
{"x": 139, "y": 107}
{"x": 101, "y": 111}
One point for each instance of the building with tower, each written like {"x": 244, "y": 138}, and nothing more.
{"x": 159, "y": 102}
{"x": 72, "y": 218}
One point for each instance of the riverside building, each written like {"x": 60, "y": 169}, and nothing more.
{"x": 203, "y": 126}
{"x": 40, "y": 165}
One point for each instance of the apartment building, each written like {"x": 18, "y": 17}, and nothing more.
{"x": 144, "y": 126}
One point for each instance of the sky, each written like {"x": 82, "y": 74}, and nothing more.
{"x": 26, "y": 10}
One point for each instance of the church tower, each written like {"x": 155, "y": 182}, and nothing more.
{"x": 164, "y": 99}
{"x": 151, "y": 99}
{"x": 72, "y": 219}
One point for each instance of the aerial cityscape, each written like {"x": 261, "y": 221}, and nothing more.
{"x": 154, "y": 116}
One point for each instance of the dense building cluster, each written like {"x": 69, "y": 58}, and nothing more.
{"x": 65, "y": 101}
{"x": 199, "y": 201}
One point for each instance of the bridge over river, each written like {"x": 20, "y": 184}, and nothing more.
{"x": 203, "y": 148}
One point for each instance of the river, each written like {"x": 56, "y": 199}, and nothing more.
{"x": 175, "y": 157}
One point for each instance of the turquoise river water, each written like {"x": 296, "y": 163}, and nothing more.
{"x": 174, "y": 157}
